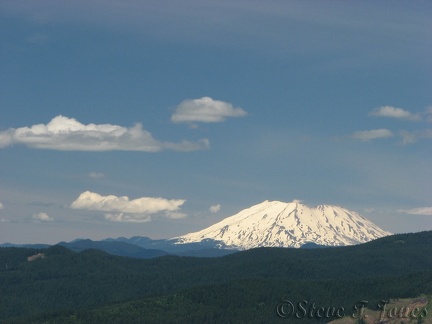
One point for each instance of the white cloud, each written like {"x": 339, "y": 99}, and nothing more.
{"x": 372, "y": 134}
{"x": 1, "y": 206}
{"x": 215, "y": 208}
{"x": 392, "y": 112}
{"x": 206, "y": 110}
{"x": 122, "y": 209}
{"x": 297, "y": 201}
{"x": 5, "y": 139}
{"x": 418, "y": 211}
{"x": 67, "y": 134}
{"x": 96, "y": 175}
{"x": 44, "y": 217}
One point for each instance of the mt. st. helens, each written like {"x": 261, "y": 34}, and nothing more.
{"x": 280, "y": 224}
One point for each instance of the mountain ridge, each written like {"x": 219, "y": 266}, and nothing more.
{"x": 395, "y": 266}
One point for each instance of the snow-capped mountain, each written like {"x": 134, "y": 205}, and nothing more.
{"x": 280, "y": 224}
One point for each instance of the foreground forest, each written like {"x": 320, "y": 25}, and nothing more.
{"x": 253, "y": 286}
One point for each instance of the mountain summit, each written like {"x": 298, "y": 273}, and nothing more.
{"x": 280, "y": 224}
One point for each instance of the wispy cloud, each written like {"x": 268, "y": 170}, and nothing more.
{"x": 417, "y": 211}
{"x": 68, "y": 134}
{"x": 392, "y": 112}
{"x": 130, "y": 218}
{"x": 407, "y": 137}
{"x": 42, "y": 217}
{"x": 215, "y": 208}
{"x": 369, "y": 135}
{"x": 96, "y": 175}
{"x": 1, "y": 206}
{"x": 410, "y": 137}
{"x": 428, "y": 114}
{"x": 122, "y": 209}
{"x": 38, "y": 39}
{"x": 205, "y": 110}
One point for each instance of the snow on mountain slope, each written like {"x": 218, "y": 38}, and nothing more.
{"x": 279, "y": 224}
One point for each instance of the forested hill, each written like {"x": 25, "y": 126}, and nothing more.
{"x": 61, "y": 280}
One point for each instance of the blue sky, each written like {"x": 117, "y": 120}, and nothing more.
{"x": 152, "y": 118}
